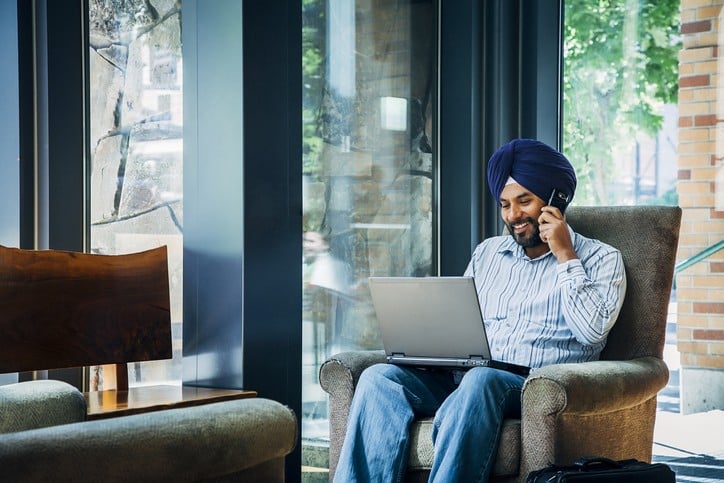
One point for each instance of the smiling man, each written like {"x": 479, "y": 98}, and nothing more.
{"x": 547, "y": 294}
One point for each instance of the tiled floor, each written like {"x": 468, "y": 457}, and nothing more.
{"x": 692, "y": 445}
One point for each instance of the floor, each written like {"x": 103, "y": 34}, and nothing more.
{"x": 692, "y": 445}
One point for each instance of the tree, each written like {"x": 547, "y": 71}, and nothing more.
{"x": 620, "y": 66}
{"x": 313, "y": 12}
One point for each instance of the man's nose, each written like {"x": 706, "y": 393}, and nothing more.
{"x": 514, "y": 212}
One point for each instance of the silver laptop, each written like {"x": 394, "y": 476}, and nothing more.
{"x": 433, "y": 322}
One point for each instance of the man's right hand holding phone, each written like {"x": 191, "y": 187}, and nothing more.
{"x": 554, "y": 229}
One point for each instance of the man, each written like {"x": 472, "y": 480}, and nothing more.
{"x": 547, "y": 294}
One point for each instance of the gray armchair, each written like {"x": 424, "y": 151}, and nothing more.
{"x": 603, "y": 408}
{"x": 44, "y": 438}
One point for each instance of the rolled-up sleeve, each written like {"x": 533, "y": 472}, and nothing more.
{"x": 593, "y": 290}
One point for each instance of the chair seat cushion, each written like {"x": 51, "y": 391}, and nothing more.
{"x": 507, "y": 461}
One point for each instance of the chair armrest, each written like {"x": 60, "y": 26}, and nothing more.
{"x": 246, "y": 438}
{"x": 38, "y": 404}
{"x": 594, "y": 387}
{"x": 338, "y": 376}
{"x": 574, "y": 410}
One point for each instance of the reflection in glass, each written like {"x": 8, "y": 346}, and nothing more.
{"x": 136, "y": 197}
{"x": 368, "y": 71}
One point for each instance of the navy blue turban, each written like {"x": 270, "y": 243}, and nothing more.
{"x": 532, "y": 164}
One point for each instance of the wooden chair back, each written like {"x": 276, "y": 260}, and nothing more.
{"x": 61, "y": 309}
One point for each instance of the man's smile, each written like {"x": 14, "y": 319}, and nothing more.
{"x": 520, "y": 227}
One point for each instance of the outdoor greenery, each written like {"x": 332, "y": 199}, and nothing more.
{"x": 620, "y": 69}
{"x": 313, "y": 82}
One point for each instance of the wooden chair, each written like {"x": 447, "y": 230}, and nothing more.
{"x": 61, "y": 309}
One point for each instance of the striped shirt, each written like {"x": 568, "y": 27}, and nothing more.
{"x": 539, "y": 312}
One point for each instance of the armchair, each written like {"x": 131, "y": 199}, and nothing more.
{"x": 603, "y": 408}
{"x": 45, "y": 437}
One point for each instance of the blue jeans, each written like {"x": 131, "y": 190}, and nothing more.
{"x": 466, "y": 428}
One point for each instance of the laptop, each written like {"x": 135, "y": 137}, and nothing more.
{"x": 433, "y": 322}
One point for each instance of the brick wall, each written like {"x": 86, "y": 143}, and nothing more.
{"x": 700, "y": 288}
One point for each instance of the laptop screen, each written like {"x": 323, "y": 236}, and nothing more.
{"x": 437, "y": 317}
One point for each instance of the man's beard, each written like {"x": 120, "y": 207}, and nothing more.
{"x": 529, "y": 241}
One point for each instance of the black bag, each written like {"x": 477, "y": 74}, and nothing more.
{"x": 604, "y": 470}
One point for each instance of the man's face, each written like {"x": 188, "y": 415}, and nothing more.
{"x": 520, "y": 210}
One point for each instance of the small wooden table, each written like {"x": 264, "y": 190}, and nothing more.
{"x": 112, "y": 403}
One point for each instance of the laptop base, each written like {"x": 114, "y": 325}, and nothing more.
{"x": 455, "y": 363}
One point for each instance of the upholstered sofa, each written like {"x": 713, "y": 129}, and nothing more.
{"x": 44, "y": 437}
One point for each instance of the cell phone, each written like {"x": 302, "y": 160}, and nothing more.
{"x": 559, "y": 199}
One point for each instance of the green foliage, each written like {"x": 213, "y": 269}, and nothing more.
{"x": 312, "y": 82}
{"x": 620, "y": 67}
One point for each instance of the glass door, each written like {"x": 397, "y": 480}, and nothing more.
{"x": 368, "y": 86}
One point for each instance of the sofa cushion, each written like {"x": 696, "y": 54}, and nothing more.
{"x": 39, "y": 404}
{"x": 507, "y": 461}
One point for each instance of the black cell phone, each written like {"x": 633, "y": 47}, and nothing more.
{"x": 559, "y": 199}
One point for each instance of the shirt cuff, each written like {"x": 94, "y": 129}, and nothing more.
{"x": 570, "y": 269}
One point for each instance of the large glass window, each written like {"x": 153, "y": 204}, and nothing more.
{"x": 620, "y": 123}
{"x": 368, "y": 74}
{"x": 136, "y": 119}
{"x": 620, "y": 92}
{"x": 10, "y": 135}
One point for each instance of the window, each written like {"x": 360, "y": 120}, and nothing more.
{"x": 9, "y": 139}
{"x": 10, "y": 136}
{"x": 621, "y": 118}
{"x": 368, "y": 71}
{"x": 620, "y": 92}
{"x": 136, "y": 118}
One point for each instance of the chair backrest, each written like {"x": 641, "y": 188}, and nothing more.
{"x": 648, "y": 238}
{"x": 63, "y": 309}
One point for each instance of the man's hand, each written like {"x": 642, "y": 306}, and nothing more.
{"x": 554, "y": 232}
